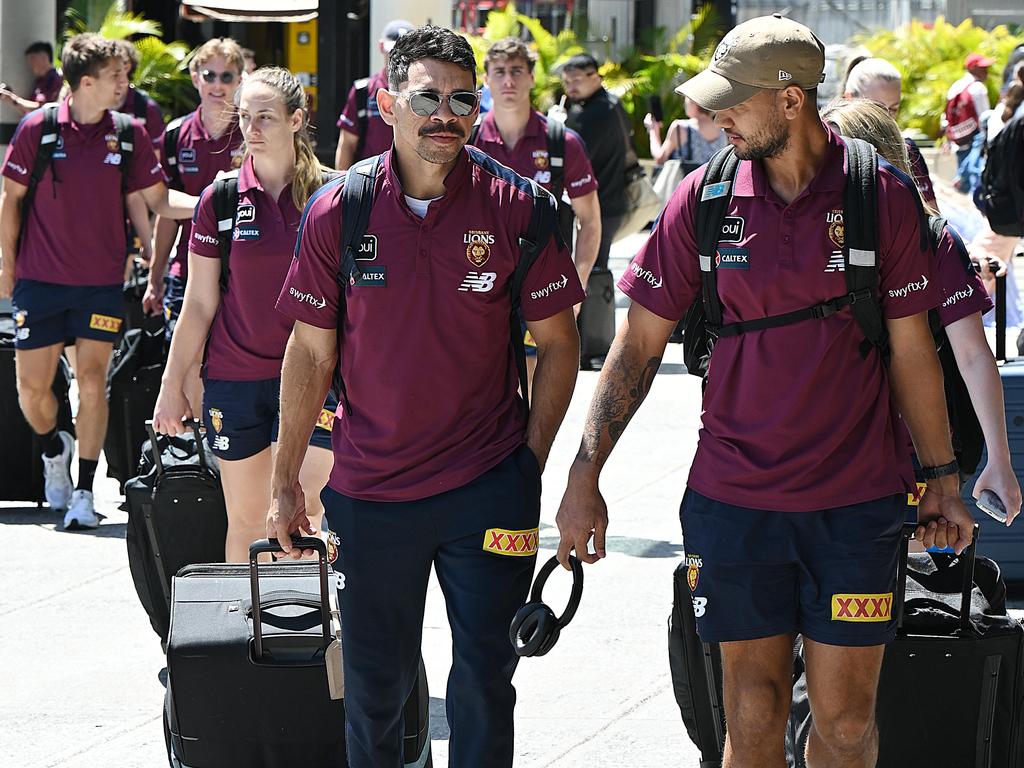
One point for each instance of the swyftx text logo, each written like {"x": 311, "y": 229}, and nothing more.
{"x": 308, "y": 298}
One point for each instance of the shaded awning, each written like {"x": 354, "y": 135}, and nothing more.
{"x": 250, "y": 10}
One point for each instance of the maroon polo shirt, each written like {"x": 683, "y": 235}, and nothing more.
{"x": 75, "y": 231}
{"x": 154, "y": 119}
{"x": 379, "y": 135}
{"x": 794, "y": 418}
{"x": 425, "y": 348}
{"x": 529, "y": 157}
{"x": 200, "y": 158}
{"x": 962, "y": 292}
{"x": 248, "y": 337}
{"x": 47, "y": 88}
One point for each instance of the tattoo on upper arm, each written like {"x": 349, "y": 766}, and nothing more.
{"x": 614, "y": 406}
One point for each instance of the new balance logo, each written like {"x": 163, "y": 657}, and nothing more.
{"x": 835, "y": 262}
{"x": 553, "y": 286}
{"x": 479, "y": 282}
{"x": 112, "y": 158}
{"x": 221, "y": 443}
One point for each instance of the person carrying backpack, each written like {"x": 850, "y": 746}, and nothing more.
{"x": 240, "y": 252}
{"x": 966, "y": 103}
{"x": 516, "y": 135}
{"x": 70, "y": 174}
{"x": 974, "y": 389}
{"x": 814, "y": 286}
{"x": 410, "y": 274}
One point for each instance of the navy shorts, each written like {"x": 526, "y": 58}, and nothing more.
{"x": 48, "y": 313}
{"x": 829, "y": 575}
{"x": 243, "y": 417}
{"x": 174, "y": 297}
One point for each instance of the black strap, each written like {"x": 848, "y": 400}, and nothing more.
{"x": 48, "y": 140}
{"x": 170, "y": 149}
{"x": 860, "y": 244}
{"x": 126, "y": 145}
{"x": 473, "y": 133}
{"x": 817, "y": 312}
{"x": 140, "y": 107}
{"x": 225, "y": 208}
{"x": 556, "y": 158}
{"x": 712, "y": 205}
{"x": 362, "y": 113}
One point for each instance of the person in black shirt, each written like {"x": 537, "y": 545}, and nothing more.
{"x": 600, "y": 120}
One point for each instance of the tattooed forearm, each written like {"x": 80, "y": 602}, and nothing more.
{"x": 622, "y": 389}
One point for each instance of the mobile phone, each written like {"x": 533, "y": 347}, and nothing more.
{"x": 656, "y": 111}
{"x": 992, "y": 506}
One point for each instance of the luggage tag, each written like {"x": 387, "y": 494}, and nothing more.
{"x": 332, "y": 657}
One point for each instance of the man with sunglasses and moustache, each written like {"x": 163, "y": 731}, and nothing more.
{"x": 436, "y": 462}
{"x": 208, "y": 142}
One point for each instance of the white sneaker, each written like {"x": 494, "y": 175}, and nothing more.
{"x": 81, "y": 513}
{"x": 57, "y": 474}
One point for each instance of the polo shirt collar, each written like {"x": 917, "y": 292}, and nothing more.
{"x": 751, "y": 180}
{"x": 64, "y": 117}
{"x": 455, "y": 179}
{"x": 535, "y": 126}
{"x": 247, "y": 177}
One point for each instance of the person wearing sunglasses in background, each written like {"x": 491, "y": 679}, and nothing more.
{"x": 193, "y": 150}
{"x": 435, "y": 460}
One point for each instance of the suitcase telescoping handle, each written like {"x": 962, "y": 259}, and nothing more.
{"x": 966, "y": 584}
{"x": 1001, "y": 318}
{"x": 272, "y": 545}
{"x": 154, "y": 445}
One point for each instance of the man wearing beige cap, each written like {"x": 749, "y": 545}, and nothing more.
{"x": 797, "y": 492}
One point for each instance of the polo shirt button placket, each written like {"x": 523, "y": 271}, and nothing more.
{"x": 786, "y": 249}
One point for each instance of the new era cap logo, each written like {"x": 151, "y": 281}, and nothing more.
{"x": 784, "y": 75}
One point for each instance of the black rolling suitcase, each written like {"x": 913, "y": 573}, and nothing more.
{"x": 21, "y": 469}
{"x": 133, "y": 384}
{"x": 597, "y": 319}
{"x": 246, "y": 676}
{"x": 176, "y": 517}
{"x": 696, "y": 669}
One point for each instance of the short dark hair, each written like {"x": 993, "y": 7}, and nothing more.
{"x": 509, "y": 48}
{"x": 129, "y": 53}
{"x": 581, "y": 61}
{"x": 428, "y": 42}
{"x": 87, "y": 54}
{"x": 41, "y": 46}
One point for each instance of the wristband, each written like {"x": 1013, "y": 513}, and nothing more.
{"x": 944, "y": 470}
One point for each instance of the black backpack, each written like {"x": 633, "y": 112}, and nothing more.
{"x": 703, "y": 324}
{"x": 48, "y": 140}
{"x": 170, "y": 150}
{"x": 1002, "y": 180}
{"x": 356, "y": 204}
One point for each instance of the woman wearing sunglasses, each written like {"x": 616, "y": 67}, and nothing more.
{"x": 244, "y": 336}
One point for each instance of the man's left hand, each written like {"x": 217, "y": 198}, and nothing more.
{"x": 943, "y": 521}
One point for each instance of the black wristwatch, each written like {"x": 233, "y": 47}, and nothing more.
{"x": 944, "y": 470}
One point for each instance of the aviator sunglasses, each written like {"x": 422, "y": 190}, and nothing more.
{"x": 209, "y": 76}
{"x": 426, "y": 103}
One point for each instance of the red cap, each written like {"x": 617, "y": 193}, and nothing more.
{"x": 977, "y": 60}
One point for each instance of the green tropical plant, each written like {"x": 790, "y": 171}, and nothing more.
{"x": 163, "y": 67}
{"x": 930, "y": 58}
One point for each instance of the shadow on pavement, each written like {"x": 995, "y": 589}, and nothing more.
{"x": 44, "y": 516}
{"x": 438, "y": 720}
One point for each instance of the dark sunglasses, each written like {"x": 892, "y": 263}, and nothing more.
{"x": 209, "y": 76}
{"x": 426, "y": 103}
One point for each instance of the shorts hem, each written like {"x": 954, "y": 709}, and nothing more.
{"x": 850, "y": 642}
{"x": 249, "y": 453}
{"x": 758, "y": 633}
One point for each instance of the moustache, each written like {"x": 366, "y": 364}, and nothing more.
{"x": 452, "y": 128}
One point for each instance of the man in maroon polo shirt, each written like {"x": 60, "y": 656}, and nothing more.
{"x": 137, "y": 102}
{"x": 205, "y": 142}
{"x": 64, "y": 268}
{"x": 47, "y": 84}
{"x": 436, "y": 462}
{"x": 363, "y": 132}
{"x": 796, "y": 494}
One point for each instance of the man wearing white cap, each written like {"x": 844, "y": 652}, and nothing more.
{"x": 363, "y": 132}
{"x": 796, "y": 495}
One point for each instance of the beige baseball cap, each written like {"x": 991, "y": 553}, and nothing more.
{"x": 766, "y": 52}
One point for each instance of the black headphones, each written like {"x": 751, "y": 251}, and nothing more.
{"x": 535, "y": 628}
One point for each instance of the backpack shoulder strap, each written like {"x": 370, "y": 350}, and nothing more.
{"x": 556, "y": 157}
{"x": 712, "y": 205}
{"x": 474, "y": 132}
{"x": 860, "y": 245}
{"x": 170, "y": 149}
{"x": 126, "y": 139}
{"x": 140, "y": 108}
{"x": 48, "y": 140}
{"x": 225, "y": 207}
{"x": 362, "y": 87}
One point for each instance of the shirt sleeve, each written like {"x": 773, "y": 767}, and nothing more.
{"x": 21, "y": 152}
{"x": 906, "y": 284}
{"x": 980, "y": 95}
{"x": 146, "y": 169}
{"x": 579, "y": 175}
{"x": 963, "y": 293}
{"x": 552, "y": 283}
{"x": 349, "y": 119}
{"x": 310, "y": 291}
{"x": 204, "y": 241}
{"x": 664, "y": 277}
{"x": 154, "y": 121}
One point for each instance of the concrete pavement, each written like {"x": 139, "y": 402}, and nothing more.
{"x": 80, "y": 678}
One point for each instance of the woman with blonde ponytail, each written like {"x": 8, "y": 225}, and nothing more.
{"x": 244, "y": 335}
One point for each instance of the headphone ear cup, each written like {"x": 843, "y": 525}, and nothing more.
{"x": 531, "y": 627}
{"x": 550, "y": 638}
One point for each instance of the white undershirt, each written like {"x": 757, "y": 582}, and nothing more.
{"x": 419, "y": 207}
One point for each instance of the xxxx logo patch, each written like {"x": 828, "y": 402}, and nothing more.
{"x": 325, "y": 420}
{"x": 513, "y": 543}
{"x": 105, "y": 323}
{"x": 914, "y": 497}
{"x": 862, "y": 607}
